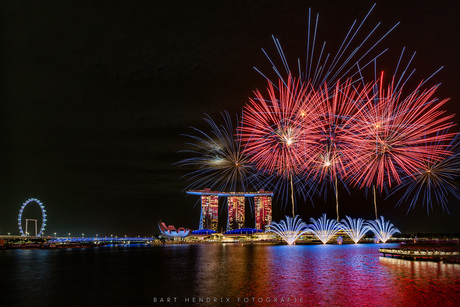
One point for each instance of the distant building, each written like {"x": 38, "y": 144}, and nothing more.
{"x": 235, "y": 212}
{"x": 236, "y": 208}
{"x": 263, "y": 208}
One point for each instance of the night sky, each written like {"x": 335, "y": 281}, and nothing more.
{"x": 96, "y": 94}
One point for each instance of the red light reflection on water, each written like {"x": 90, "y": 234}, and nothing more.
{"x": 337, "y": 275}
{"x": 425, "y": 283}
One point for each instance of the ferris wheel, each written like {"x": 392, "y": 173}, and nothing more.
{"x": 42, "y": 207}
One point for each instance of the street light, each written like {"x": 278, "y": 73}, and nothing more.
{"x": 54, "y": 234}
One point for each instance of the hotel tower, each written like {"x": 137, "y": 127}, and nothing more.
{"x": 209, "y": 210}
{"x": 235, "y": 212}
{"x": 263, "y": 207}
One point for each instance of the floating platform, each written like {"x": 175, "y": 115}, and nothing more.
{"x": 422, "y": 254}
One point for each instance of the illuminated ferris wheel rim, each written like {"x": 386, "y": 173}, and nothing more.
{"x": 42, "y": 207}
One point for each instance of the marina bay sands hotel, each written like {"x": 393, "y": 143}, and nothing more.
{"x": 236, "y": 208}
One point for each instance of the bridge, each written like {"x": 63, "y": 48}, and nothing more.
{"x": 94, "y": 240}
{"x": 107, "y": 240}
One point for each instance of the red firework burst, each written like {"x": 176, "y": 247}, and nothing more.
{"x": 274, "y": 130}
{"x": 396, "y": 135}
{"x": 337, "y": 111}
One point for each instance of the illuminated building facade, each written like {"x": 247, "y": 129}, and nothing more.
{"x": 235, "y": 212}
{"x": 236, "y": 208}
{"x": 209, "y": 210}
{"x": 263, "y": 214}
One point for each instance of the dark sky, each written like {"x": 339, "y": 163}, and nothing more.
{"x": 95, "y": 95}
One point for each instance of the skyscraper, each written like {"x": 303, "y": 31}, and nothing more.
{"x": 209, "y": 211}
{"x": 235, "y": 212}
{"x": 263, "y": 208}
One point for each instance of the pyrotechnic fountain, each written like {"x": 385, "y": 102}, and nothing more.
{"x": 289, "y": 230}
{"x": 324, "y": 228}
{"x": 382, "y": 229}
{"x": 355, "y": 228}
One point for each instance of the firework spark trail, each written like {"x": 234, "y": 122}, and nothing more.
{"x": 271, "y": 129}
{"x": 324, "y": 228}
{"x": 289, "y": 230}
{"x": 218, "y": 159}
{"x": 323, "y": 67}
{"x": 318, "y": 72}
{"x": 396, "y": 135}
{"x": 382, "y": 229}
{"x": 311, "y": 131}
{"x": 337, "y": 109}
{"x": 434, "y": 181}
{"x": 399, "y": 80}
{"x": 274, "y": 133}
{"x": 355, "y": 228}
{"x": 347, "y": 62}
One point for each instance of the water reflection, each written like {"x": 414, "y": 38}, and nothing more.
{"x": 425, "y": 282}
{"x": 337, "y": 275}
{"x": 343, "y": 275}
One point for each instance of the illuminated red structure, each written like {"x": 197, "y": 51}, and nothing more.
{"x": 263, "y": 207}
{"x": 235, "y": 212}
{"x": 209, "y": 210}
{"x": 236, "y": 208}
